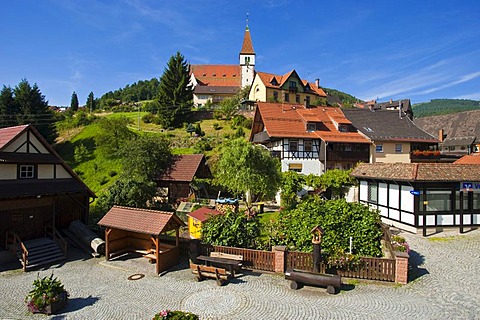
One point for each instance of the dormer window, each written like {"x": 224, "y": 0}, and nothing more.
{"x": 26, "y": 171}
{"x": 343, "y": 128}
{"x": 311, "y": 126}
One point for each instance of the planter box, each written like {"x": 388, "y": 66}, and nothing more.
{"x": 53, "y": 307}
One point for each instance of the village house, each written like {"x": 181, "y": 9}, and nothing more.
{"x": 402, "y": 106}
{"x": 422, "y": 196}
{"x": 38, "y": 190}
{"x": 308, "y": 140}
{"x": 177, "y": 182}
{"x": 393, "y": 136}
{"x": 217, "y": 82}
{"x": 288, "y": 88}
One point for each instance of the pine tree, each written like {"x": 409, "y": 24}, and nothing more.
{"x": 31, "y": 108}
{"x": 175, "y": 95}
{"x": 90, "y": 105}
{"x": 74, "y": 102}
{"x": 8, "y": 109}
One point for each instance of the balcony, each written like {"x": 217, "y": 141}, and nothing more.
{"x": 293, "y": 89}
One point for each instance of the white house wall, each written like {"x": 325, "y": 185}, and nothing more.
{"x": 62, "y": 173}
{"x": 46, "y": 171}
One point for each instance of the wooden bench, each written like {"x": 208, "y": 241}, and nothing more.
{"x": 219, "y": 274}
{"x": 226, "y": 256}
{"x": 234, "y": 257}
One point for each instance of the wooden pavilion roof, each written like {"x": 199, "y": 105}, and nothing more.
{"x": 144, "y": 221}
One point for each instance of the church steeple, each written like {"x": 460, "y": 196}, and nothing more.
{"x": 247, "y": 58}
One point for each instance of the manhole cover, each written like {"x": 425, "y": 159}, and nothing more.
{"x": 136, "y": 276}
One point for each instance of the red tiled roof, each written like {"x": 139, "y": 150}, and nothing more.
{"x": 184, "y": 168}
{"x": 290, "y": 121}
{"x": 203, "y": 214}
{"x": 418, "y": 171}
{"x": 268, "y": 77}
{"x": 140, "y": 220}
{"x": 217, "y": 75}
{"x": 473, "y": 158}
{"x": 247, "y": 46}
{"x": 9, "y": 133}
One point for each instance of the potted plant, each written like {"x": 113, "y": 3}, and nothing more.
{"x": 177, "y": 314}
{"x": 47, "y": 296}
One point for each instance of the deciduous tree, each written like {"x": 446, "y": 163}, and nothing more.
{"x": 248, "y": 169}
{"x": 113, "y": 134}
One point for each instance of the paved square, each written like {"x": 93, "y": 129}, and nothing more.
{"x": 446, "y": 286}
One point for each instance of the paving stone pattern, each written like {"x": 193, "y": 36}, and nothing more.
{"x": 445, "y": 284}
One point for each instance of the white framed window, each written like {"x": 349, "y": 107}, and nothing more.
{"x": 379, "y": 148}
{"x": 372, "y": 192}
{"x": 398, "y": 148}
{"x": 26, "y": 171}
{"x": 307, "y": 145}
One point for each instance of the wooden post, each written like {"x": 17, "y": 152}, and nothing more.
{"x": 107, "y": 247}
{"x": 157, "y": 254}
{"x": 177, "y": 237}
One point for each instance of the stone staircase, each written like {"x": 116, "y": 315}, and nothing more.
{"x": 41, "y": 251}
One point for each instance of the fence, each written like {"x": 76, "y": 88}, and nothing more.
{"x": 253, "y": 259}
{"x": 393, "y": 268}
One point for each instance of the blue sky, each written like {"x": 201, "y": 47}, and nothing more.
{"x": 413, "y": 49}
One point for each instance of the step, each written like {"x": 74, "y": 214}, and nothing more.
{"x": 39, "y": 258}
{"x": 34, "y": 243}
{"x": 45, "y": 262}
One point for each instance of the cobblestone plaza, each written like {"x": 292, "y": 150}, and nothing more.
{"x": 444, "y": 284}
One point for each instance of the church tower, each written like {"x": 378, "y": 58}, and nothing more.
{"x": 247, "y": 59}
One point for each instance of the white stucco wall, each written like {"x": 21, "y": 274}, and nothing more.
{"x": 8, "y": 171}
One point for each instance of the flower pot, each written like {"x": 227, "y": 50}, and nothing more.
{"x": 53, "y": 307}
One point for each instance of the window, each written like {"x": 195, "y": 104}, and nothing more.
{"x": 275, "y": 96}
{"x": 451, "y": 148}
{"x": 379, "y": 148}
{"x": 307, "y": 100}
{"x": 297, "y": 167}
{"x": 438, "y": 200}
{"x": 311, "y": 126}
{"x": 287, "y": 97}
{"x": 307, "y": 145}
{"x": 372, "y": 192}
{"x": 27, "y": 171}
{"x": 293, "y": 84}
{"x": 342, "y": 128}
{"x": 398, "y": 148}
{"x": 293, "y": 145}
{"x": 297, "y": 98}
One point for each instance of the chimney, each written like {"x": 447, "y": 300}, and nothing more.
{"x": 440, "y": 135}
{"x": 317, "y": 83}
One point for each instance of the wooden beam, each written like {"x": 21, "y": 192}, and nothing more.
{"x": 157, "y": 255}
{"x": 107, "y": 251}
{"x": 177, "y": 236}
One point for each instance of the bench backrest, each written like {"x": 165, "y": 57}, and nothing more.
{"x": 208, "y": 269}
{"x": 226, "y": 256}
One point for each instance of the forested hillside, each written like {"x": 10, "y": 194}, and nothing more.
{"x": 347, "y": 99}
{"x": 444, "y": 106}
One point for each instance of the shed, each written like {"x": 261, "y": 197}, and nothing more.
{"x": 197, "y": 218}
{"x": 138, "y": 230}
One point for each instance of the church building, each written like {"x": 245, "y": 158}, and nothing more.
{"x": 220, "y": 81}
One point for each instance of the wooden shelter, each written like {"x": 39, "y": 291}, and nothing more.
{"x": 37, "y": 188}
{"x": 138, "y": 230}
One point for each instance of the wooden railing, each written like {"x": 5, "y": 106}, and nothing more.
{"x": 12, "y": 237}
{"x": 252, "y": 259}
{"x": 57, "y": 237}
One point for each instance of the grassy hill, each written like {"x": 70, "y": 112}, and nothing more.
{"x": 99, "y": 173}
{"x": 444, "y": 106}
{"x": 346, "y": 99}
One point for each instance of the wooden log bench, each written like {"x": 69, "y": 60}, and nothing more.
{"x": 299, "y": 277}
{"x": 219, "y": 274}
{"x": 235, "y": 257}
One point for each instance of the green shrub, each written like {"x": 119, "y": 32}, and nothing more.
{"x": 45, "y": 291}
